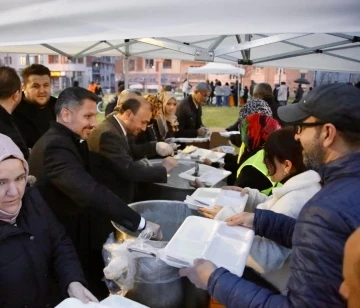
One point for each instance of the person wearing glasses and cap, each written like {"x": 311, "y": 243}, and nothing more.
{"x": 327, "y": 124}
{"x": 189, "y": 112}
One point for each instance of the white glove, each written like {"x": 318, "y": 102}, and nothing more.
{"x": 77, "y": 290}
{"x": 170, "y": 163}
{"x": 174, "y": 146}
{"x": 202, "y": 132}
{"x": 156, "y": 230}
{"x": 164, "y": 149}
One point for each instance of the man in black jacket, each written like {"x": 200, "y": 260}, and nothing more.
{"x": 10, "y": 97}
{"x": 59, "y": 160}
{"x": 36, "y": 109}
{"x": 115, "y": 161}
{"x": 189, "y": 112}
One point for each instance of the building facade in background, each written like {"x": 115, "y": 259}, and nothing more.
{"x": 64, "y": 71}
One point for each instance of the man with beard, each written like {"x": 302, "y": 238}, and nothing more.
{"x": 327, "y": 123}
{"x": 10, "y": 97}
{"x": 36, "y": 109}
{"x": 59, "y": 161}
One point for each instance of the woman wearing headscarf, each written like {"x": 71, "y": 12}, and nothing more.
{"x": 33, "y": 243}
{"x": 261, "y": 102}
{"x": 152, "y": 132}
{"x": 254, "y": 131}
{"x": 167, "y": 122}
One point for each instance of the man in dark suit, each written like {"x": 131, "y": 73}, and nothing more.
{"x": 36, "y": 109}
{"x": 189, "y": 112}
{"x": 59, "y": 161}
{"x": 10, "y": 97}
{"x": 116, "y": 162}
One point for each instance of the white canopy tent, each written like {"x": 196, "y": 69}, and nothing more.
{"x": 314, "y": 35}
{"x": 217, "y": 68}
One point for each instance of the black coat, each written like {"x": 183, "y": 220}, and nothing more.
{"x": 32, "y": 121}
{"x": 151, "y": 134}
{"x": 30, "y": 251}
{"x": 9, "y": 128}
{"x": 115, "y": 161}
{"x": 60, "y": 163}
{"x": 189, "y": 118}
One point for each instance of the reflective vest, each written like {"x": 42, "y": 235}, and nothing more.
{"x": 257, "y": 161}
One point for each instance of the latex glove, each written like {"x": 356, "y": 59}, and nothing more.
{"x": 242, "y": 219}
{"x": 174, "y": 146}
{"x": 242, "y": 191}
{"x": 164, "y": 149}
{"x": 156, "y": 230}
{"x": 77, "y": 290}
{"x": 200, "y": 273}
{"x": 210, "y": 212}
{"x": 170, "y": 163}
{"x": 202, "y": 131}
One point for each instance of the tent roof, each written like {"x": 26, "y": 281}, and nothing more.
{"x": 159, "y": 29}
{"x": 216, "y": 68}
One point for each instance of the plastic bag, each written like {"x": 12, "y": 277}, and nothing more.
{"x": 135, "y": 261}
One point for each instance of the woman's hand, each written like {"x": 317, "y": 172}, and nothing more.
{"x": 210, "y": 212}
{"x": 242, "y": 191}
{"x": 242, "y": 219}
{"x": 197, "y": 184}
{"x": 207, "y": 161}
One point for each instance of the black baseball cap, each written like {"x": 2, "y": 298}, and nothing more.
{"x": 337, "y": 103}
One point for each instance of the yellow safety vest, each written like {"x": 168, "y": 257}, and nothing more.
{"x": 257, "y": 161}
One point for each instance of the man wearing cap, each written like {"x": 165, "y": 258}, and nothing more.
{"x": 327, "y": 123}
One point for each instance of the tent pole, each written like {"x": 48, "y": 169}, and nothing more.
{"x": 126, "y": 72}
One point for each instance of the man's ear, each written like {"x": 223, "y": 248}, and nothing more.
{"x": 23, "y": 86}
{"x": 329, "y": 130}
{"x": 65, "y": 115}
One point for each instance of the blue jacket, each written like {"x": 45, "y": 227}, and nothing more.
{"x": 317, "y": 239}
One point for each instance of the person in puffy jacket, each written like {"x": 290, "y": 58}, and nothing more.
{"x": 327, "y": 123}
{"x": 33, "y": 243}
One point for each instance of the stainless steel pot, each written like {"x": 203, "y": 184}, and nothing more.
{"x": 177, "y": 292}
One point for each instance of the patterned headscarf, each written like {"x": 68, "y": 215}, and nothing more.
{"x": 255, "y": 106}
{"x": 255, "y": 130}
{"x": 155, "y": 102}
{"x": 164, "y": 118}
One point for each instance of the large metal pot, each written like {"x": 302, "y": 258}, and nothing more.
{"x": 178, "y": 292}
{"x": 176, "y": 187}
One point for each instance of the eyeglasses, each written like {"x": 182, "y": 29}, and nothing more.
{"x": 204, "y": 95}
{"x": 298, "y": 128}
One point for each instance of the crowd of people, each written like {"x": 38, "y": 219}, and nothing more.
{"x": 64, "y": 178}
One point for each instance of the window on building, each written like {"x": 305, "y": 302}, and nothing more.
{"x": 167, "y": 63}
{"x": 53, "y": 59}
{"x": 258, "y": 70}
{"x": 80, "y": 60}
{"x": 64, "y": 60}
{"x": 32, "y": 60}
{"x": 23, "y": 60}
{"x": 132, "y": 65}
{"x": 79, "y": 74}
{"x": 8, "y": 60}
{"x": 102, "y": 78}
{"x": 149, "y": 63}
{"x": 107, "y": 78}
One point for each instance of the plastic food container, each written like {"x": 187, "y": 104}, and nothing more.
{"x": 213, "y": 240}
{"x": 208, "y": 175}
{"x": 208, "y": 197}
